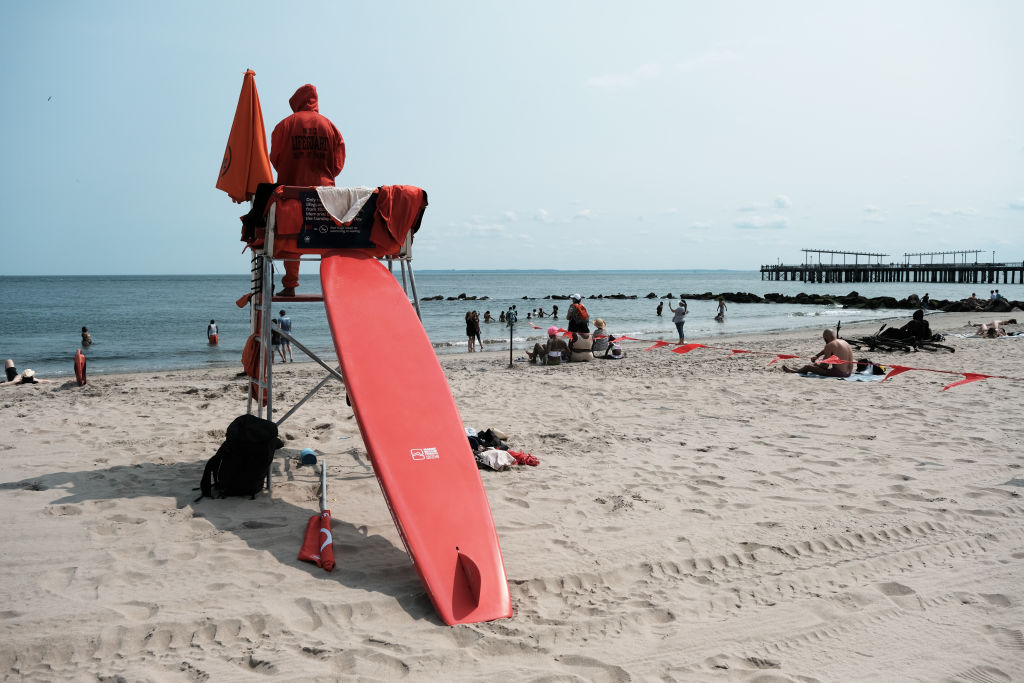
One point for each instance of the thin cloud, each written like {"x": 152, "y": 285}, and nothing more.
{"x": 701, "y": 225}
{"x": 954, "y": 212}
{"x": 483, "y": 229}
{"x": 709, "y": 59}
{"x": 783, "y": 202}
{"x": 477, "y": 226}
{"x": 751, "y": 206}
{"x": 873, "y": 214}
{"x": 1017, "y": 204}
{"x": 628, "y": 79}
{"x": 763, "y": 223}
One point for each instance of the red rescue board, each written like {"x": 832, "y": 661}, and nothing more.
{"x": 415, "y": 439}
{"x": 80, "y": 367}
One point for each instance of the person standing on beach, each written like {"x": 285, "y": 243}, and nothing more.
{"x": 833, "y": 347}
{"x": 86, "y": 337}
{"x": 679, "y": 318}
{"x": 579, "y": 319}
{"x": 275, "y": 341}
{"x": 924, "y": 302}
{"x": 286, "y": 326}
{"x": 211, "y": 333}
{"x": 306, "y": 149}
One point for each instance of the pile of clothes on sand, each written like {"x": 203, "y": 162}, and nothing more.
{"x": 491, "y": 450}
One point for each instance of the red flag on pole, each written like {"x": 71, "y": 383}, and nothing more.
{"x": 246, "y": 163}
{"x": 318, "y": 546}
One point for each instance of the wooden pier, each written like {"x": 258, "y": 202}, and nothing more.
{"x": 958, "y": 271}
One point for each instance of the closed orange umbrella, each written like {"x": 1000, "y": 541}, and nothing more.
{"x": 246, "y": 162}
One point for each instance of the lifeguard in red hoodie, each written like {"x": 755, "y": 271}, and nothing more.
{"x": 307, "y": 150}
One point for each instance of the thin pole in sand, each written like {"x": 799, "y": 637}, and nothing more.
{"x": 323, "y": 485}
{"x": 511, "y": 318}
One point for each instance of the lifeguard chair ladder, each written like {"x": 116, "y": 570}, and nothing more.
{"x": 261, "y": 392}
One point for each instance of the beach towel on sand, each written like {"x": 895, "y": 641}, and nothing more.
{"x": 855, "y": 377}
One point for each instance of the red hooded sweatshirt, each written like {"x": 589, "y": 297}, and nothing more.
{"x": 306, "y": 148}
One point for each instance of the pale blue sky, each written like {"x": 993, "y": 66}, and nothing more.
{"x": 547, "y": 134}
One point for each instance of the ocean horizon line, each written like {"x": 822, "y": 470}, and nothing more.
{"x": 418, "y": 270}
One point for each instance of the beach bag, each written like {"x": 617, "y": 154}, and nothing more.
{"x": 240, "y": 466}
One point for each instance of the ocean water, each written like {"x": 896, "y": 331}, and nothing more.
{"x": 150, "y": 323}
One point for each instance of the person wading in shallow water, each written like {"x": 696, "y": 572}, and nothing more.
{"x": 473, "y": 330}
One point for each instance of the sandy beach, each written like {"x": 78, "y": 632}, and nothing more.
{"x": 694, "y": 517}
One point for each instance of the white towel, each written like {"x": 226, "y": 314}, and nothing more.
{"x": 343, "y": 203}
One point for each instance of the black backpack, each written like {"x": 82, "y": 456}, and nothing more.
{"x": 240, "y": 465}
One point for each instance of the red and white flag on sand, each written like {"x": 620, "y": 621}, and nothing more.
{"x": 318, "y": 546}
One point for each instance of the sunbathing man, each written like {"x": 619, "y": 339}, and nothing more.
{"x": 833, "y": 347}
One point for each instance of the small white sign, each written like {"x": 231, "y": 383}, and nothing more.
{"x": 424, "y": 454}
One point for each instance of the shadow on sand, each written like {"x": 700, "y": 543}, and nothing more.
{"x": 364, "y": 562}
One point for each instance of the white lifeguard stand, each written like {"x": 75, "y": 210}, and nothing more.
{"x": 261, "y": 305}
